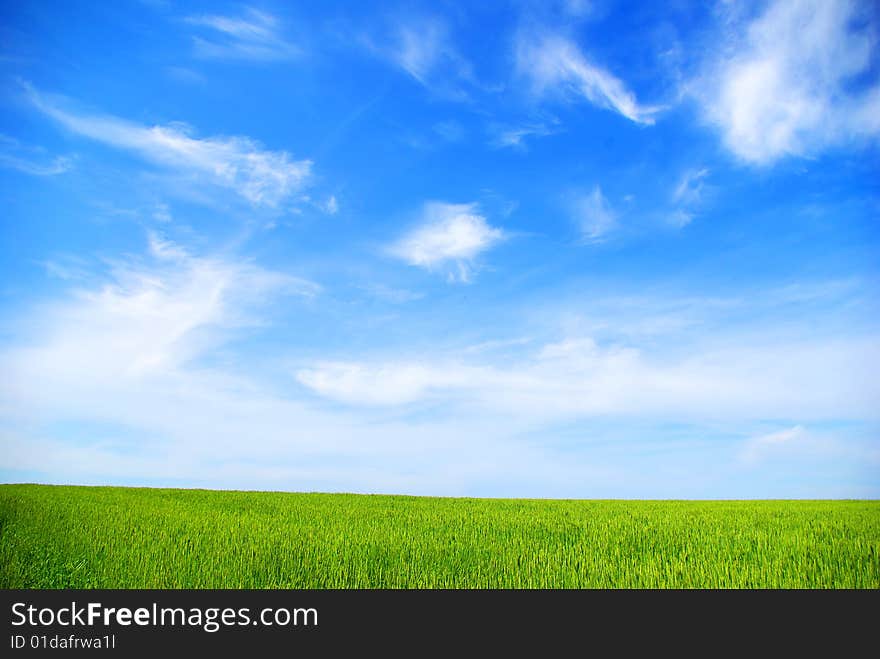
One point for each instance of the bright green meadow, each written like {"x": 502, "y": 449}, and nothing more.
{"x": 108, "y": 537}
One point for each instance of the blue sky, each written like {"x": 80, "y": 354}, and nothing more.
{"x": 572, "y": 249}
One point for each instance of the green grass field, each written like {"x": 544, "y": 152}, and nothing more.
{"x": 102, "y": 537}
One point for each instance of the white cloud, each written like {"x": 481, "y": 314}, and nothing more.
{"x": 58, "y": 165}
{"x": 789, "y": 83}
{"x": 681, "y": 217}
{"x": 552, "y": 62}
{"x": 254, "y": 35}
{"x": 238, "y": 163}
{"x": 391, "y": 294}
{"x": 496, "y": 345}
{"x": 331, "y": 206}
{"x": 594, "y": 215}
{"x": 127, "y": 360}
{"x": 162, "y": 214}
{"x": 690, "y": 188}
{"x": 423, "y": 48}
{"x": 448, "y": 234}
{"x": 776, "y": 353}
{"x": 418, "y": 50}
{"x": 66, "y": 267}
{"x": 141, "y": 380}
{"x": 164, "y": 249}
{"x": 30, "y": 160}
{"x": 514, "y": 137}
{"x": 688, "y": 196}
{"x": 152, "y": 317}
{"x": 379, "y": 384}
{"x": 578, "y": 377}
{"x": 758, "y": 447}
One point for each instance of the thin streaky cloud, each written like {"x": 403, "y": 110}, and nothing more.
{"x": 263, "y": 177}
{"x": 515, "y": 137}
{"x": 554, "y": 63}
{"x": 419, "y": 50}
{"x": 31, "y": 160}
{"x": 759, "y": 447}
{"x": 595, "y": 217}
{"x": 687, "y": 196}
{"x": 380, "y": 384}
{"x": 330, "y": 206}
{"x": 254, "y": 35}
{"x": 391, "y": 294}
{"x": 66, "y": 268}
{"x": 580, "y": 377}
{"x": 423, "y": 48}
{"x": 690, "y": 187}
{"x": 151, "y": 316}
{"x": 591, "y": 306}
{"x": 58, "y": 165}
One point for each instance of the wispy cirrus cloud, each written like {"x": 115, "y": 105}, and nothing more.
{"x": 595, "y": 217}
{"x": 149, "y": 316}
{"x": 253, "y": 35}
{"x": 554, "y": 63}
{"x": 792, "y": 81}
{"x": 775, "y": 353}
{"x": 515, "y": 137}
{"x": 67, "y": 267}
{"x": 31, "y": 160}
{"x": 136, "y": 377}
{"x": 122, "y": 379}
{"x": 263, "y": 177}
{"x": 580, "y": 377}
{"x": 687, "y": 196}
{"x": 759, "y": 446}
{"x": 423, "y": 47}
{"x": 448, "y": 236}
{"x": 394, "y": 383}
{"x": 689, "y": 190}
{"x": 330, "y": 206}
{"x": 420, "y": 47}
{"x": 391, "y": 294}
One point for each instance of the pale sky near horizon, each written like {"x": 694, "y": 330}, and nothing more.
{"x": 584, "y": 249}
